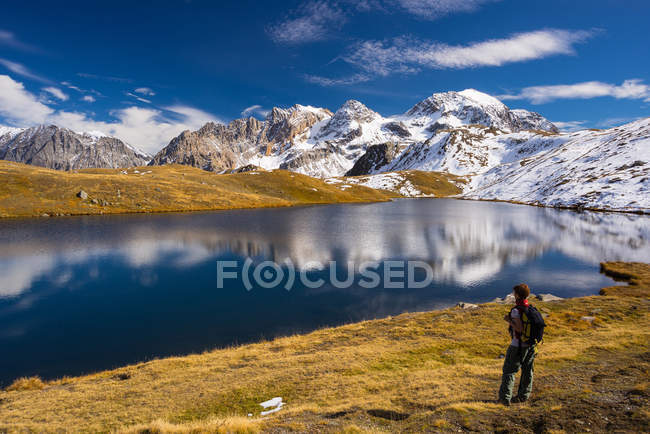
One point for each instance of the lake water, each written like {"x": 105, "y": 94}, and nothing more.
{"x": 81, "y": 294}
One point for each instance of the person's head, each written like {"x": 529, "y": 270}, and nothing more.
{"x": 521, "y": 291}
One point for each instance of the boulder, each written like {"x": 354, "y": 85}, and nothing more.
{"x": 464, "y": 305}
{"x": 548, "y": 297}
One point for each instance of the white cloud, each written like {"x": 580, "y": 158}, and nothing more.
{"x": 56, "y": 92}
{"x": 341, "y": 81}
{"x": 629, "y": 89}
{"x": 22, "y": 70}
{"x": 145, "y": 91}
{"x": 433, "y": 9}
{"x": 313, "y": 21}
{"x": 146, "y": 128}
{"x": 88, "y": 98}
{"x": 408, "y": 55}
{"x": 19, "y": 106}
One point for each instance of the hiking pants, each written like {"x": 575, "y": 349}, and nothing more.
{"x": 513, "y": 361}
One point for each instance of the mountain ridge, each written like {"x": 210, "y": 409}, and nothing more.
{"x": 59, "y": 148}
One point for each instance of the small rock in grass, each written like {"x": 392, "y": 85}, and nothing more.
{"x": 464, "y": 305}
{"x": 548, "y": 297}
{"x": 82, "y": 195}
{"x": 94, "y": 201}
{"x": 589, "y": 319}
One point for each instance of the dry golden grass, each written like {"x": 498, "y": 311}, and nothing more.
{"x": 636, "y": 274}
{"x": 26, "y": 383}
{"x": 34, "y": 191}
{"x": 225, "y": 425}
{"x": 431, "y": 371}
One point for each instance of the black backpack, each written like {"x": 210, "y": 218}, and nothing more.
{"x": 533, "y": 323}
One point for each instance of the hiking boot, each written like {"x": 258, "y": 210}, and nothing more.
{"x": 504, "y": 402}
{"x": 519, "y": 399}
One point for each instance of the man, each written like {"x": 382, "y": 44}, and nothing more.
{"x": 520, "y": 354}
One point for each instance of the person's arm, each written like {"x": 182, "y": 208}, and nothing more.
{"x": 515, "y": 321}
{"x": 517, "y": 325}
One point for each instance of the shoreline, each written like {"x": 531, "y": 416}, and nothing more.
{"x": 179, "y": 189}
{"x": 360, "y": 370}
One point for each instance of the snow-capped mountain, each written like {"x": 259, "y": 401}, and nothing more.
{"x": 320, "y": 143}
{"x": 63, "y": 149}
{"x": 607, "y": 169}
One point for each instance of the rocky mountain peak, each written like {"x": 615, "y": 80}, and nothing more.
{"x": 63, "y": 149}
{"x": 470, "y": 107}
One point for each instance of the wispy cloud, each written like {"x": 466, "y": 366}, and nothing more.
{"x": 570, "y": 126}
{"x": 139, "y": 98}
{"x": 341, "y": 81}
{"x": 22, "y": 70}
{"x": 405, "y": 54}
{"x": 317, "y": 20}
{"x": 311, "y": 22}
{"x": 56, "y": 92}
{"x": 145, "y": 91}
{"x": 105, "y": 77}
{"x": 71, "y": 86}
{"x": 614, "y": 122}
{"x": 88, "y": 98}
{"x": 629, "y": 89}
{"x": 434, "y": 9}
{"x": 147, "y": 128}
{"x": 255, "y": 109}
{"x": 8, "y": 39}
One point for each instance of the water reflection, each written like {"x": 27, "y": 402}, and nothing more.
{"x": 88, "y": 293}
{"x": 466, "y": 242}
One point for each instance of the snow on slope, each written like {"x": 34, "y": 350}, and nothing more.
{"x": 592, "y": 169}
{"x": 384, "y": 181}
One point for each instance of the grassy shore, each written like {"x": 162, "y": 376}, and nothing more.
{"x": 27, "y": 191}
{"x": 433, "y": 371}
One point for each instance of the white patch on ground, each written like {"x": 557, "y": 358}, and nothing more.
{"x": 274, "y": 403}
{"x": 395, "y": 182}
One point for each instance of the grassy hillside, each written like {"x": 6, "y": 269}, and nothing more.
{"x": 434, "y": 371}
{"x": 32, "y": 191}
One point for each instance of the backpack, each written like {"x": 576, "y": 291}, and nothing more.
{"x": 533, "y": 323}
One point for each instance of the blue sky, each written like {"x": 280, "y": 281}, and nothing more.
{"x": 145, "y": 70}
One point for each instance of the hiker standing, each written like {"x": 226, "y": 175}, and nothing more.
{"x": 526, "y": 329}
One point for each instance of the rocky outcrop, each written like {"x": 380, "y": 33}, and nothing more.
{"x": 376, "y": 157}
{"x": 63, "y": 149}
{"x": 220, "y": 148}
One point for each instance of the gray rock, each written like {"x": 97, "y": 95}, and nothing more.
{"x": 94, "y": 201}
{"x": 589, "y": 319}
{"x": 548, "y": 297}
{"x": 464, "y": 305}
{"x": 376, "y": 157}
{"x": 82, "y": 195}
